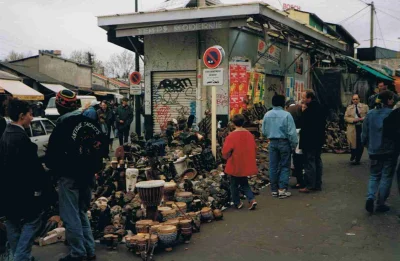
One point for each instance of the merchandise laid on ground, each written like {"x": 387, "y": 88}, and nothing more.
{"x": 153, "y": 195}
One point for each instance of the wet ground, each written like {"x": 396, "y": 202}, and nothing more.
{"x": 328, "y": 225}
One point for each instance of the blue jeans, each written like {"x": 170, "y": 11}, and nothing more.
{"x": 21, "y": 236}
{"x": 380, "y": 179}
{"x": 74, "y": 204}
{"x": 244, "y": 185}
{"x": 279, "y": 164}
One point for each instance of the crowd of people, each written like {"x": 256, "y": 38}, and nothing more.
{"x": 75, "y": 152}
{"x": 81, "y": 139}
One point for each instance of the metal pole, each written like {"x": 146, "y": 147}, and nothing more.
{"x": 214, "y": 120}
{"x": 138, "y": 121}
{"x": 372, "y": 25}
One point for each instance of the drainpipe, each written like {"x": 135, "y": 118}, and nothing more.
{"x": 201, "y": 3}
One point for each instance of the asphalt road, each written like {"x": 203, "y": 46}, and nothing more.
{"x": 328, "y": 225}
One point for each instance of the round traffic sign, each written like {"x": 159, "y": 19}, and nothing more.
{"x": 135, "y": 78}
{"x": 213, "y": 57}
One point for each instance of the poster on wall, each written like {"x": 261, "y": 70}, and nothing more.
{"x": 238, "y": 79}
{"x": 273, "y": 55}
{"x": 299, "y": 65}
{"x": 289, "y": 88}
{"x": 299, "y": 89}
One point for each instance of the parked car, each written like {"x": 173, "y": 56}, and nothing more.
{"x": 39, "y": 133}
{"x": 51, "y": 111}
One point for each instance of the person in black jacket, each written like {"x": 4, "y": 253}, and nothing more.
{"x": 124, "y": 118}
{"x": 75, "y": 153}
{"x": 106, "y": 120}
{"x": 312, "y": 137}
{"x": 22, "y": 178}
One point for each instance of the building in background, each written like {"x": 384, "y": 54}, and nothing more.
{"x": 73, "y": 74}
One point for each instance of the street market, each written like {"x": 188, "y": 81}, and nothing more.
{"x": 224, "y": 107}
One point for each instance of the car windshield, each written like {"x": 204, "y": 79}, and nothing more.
{"x": 52, "y": 103}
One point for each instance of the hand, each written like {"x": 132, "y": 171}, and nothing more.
{"x": 356, "y": 120}
{"x": 121, "y": 121}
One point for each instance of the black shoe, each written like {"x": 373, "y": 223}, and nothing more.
{"x": 71, "y": 258}
{"x": 382, "y": 208}
{"x": 352, "y": 158}
{"x": 297, "y": 186}
{"x": 369, "y": 206}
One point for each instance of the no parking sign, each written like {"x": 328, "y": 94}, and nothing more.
{"x": 213, "y": 56}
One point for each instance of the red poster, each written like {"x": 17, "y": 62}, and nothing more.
{"x": 234, "y": 102}
{"x": 243, "y": 86}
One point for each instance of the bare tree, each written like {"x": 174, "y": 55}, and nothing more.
{"x": 89, "y": 58}
{"x": 120, "y": 65}
{"x": 13, "y": 56}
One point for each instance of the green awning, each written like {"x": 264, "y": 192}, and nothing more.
{"x": 370, "y": 69}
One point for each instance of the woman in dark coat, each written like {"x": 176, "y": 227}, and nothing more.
{"x": 22, "y": 178}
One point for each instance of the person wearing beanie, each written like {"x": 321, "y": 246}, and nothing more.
{"x": 75, "y": 154}
{"x": 381, "y": 152}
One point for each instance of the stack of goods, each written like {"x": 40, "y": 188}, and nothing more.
{"x": 336, "y": 140}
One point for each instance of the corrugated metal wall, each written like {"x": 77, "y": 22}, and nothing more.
{"x": 173, "y": 95}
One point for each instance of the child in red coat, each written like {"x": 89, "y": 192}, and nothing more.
{"x": 240, "y": 152}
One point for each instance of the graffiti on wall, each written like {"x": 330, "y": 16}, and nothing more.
{"x": 171, "y": 92}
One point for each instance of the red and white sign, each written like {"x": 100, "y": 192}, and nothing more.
{"x": 290, "y": 6}
{"x": 135, "y": 78}
{"x": 213, "y": 57}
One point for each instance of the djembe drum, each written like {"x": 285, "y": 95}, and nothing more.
{"x": 151, "y": 194}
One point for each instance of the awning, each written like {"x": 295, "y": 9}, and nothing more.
{"x": 21, "y": 91}
{"x": 370, "y": 69}
{"x": 53, "y": 87}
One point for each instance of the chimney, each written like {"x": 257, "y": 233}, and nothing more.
{"x": 201, "y": 3}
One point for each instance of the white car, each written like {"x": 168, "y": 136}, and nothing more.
{"x": 51, "y": 111}
{"x": 39, "y": 133}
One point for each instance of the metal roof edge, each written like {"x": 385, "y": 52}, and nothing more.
{"x": 67, "y": 60}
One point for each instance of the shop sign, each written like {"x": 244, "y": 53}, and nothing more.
{"x": 290, "y": 6}
{"x": 213, "y": 77}
{"x": 179, "y": 28}
{"x": 273, "y": 55}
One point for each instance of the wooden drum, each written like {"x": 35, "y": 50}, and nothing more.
{"x": 151, "y": 192}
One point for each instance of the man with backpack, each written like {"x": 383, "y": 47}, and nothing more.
{"x": 74, "y": 154}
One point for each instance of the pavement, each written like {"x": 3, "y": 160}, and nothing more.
{"x": 327, "y": 225}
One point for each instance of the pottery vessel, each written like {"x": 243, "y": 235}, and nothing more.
{"x": 218, "y": 215}
{"x": 168, "y": 214}
{"x": 169, "y": 191}
{"x": 186, "y": 197}
{"x": 181, "y": 207}
{"x": 143, "y": 226}
{"x": 206, "y": 214}
{"x": 167, "y": 235}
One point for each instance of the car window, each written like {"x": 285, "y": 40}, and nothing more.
{"x": 52, "y": 103}
{"x": 48, "y": 126}
{"x": 37, "y": 129}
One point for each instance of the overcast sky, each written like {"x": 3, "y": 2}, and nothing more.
{"x": 29, "y": 25}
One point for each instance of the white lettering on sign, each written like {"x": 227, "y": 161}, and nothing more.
{"x": 290, "y": 6}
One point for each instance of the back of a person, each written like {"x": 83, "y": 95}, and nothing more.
{"x": 76, "y": 139}
{"x": 243, "y": 159}
{"x": 377, "y": 145}
{"x": 276, "y": 121}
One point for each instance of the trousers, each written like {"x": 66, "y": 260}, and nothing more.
{"x": 243, "y": 183}
{"x": 358, "y": 152}
{"x": 381, "y": 177}
{"x": 74, "y": 204}
{"x": 279, "y": 164}
{"x": 313, "y": 168}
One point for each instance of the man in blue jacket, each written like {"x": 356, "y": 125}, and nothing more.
{"x": 381, "y": 152}
{"x": 278, "y": 126}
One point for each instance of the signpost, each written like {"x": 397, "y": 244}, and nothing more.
{"x": 212, "y": 58}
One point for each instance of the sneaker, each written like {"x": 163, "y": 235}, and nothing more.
{"x": 382, "y": 208}
{"x": 240, "y": 205}
{"x": 71, "y": 258}
{"x": 284, "y": 194}
{"x": 275, "y": 194}
{"x": 253, "y": 205}
{"x": 369, "y": 206}
{"x": 89, "y": 258}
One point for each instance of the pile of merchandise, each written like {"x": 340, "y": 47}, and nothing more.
{"x": 336, "y": 140}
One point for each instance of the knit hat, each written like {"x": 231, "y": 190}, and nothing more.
{"x": 67, "y": 99}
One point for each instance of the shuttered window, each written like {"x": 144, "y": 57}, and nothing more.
{"x": 173, "y": 95}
